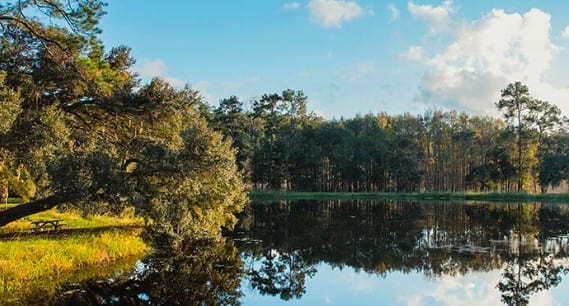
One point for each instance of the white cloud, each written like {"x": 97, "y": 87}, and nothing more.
{"x": 332, "y": 13}
{"x": 203, "y": 87}
{"x": 149, "y": 69}
{"x": 484, "y": 57}
{"x": 291, "y": 6}
{"x": 359, "y": 72}
{"x": 394, "y": 13}
{"x": 438, "y": 17}
{"x": 565, "y": 33}
{"x": 414, "y": 53}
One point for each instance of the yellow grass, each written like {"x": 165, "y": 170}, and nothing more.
{"x": 38, "y": 265}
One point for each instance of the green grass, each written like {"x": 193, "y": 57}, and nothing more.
{"x": 39, "y": 265}
{"x": 463, "y": 196}
{"x": 9, "y": 203}
{"x": 72, "y": 220}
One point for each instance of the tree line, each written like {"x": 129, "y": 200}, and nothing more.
{"x": 79, "y": 128}
{"x": 283, "y": 146}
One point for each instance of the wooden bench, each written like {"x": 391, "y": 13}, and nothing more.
{"x": 40, "y": 225}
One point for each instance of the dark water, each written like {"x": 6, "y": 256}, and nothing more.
{"x": 361, "y": 253}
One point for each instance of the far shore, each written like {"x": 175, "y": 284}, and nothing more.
{"x": 423, "y": 196}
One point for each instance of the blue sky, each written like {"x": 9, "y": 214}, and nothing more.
{"x": 351, "y": 57}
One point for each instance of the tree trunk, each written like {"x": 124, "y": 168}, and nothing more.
{"x": 520, "y": 171}
{"x": 24, "y": 210}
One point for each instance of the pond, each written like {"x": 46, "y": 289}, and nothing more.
{"x": 361, "y": 252}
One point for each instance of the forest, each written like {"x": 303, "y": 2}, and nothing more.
{"x": 79, "y": 128}
{"x": 283, "y": 146}
{"x": 121, "y": 188}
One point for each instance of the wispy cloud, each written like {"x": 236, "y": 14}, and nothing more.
{"x": 291, "y": 6}
{"x": 333, "y": 13}
{"x": 565, "y": 33}
{"x": 414, "y": 53}
{"x": 203, "y": 87}
{"x": 149, "y": 69}
{"x": 359, "y": 72}
{"x": 394, "y": 13}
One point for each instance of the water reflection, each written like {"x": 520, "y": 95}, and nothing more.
{"x": 282, "y": 274}
{"x": 202, "y": 274}
{"x": 526, "y": 273}
{"x": 528, "y": 242}
{"x": 278, "y": 247}
{"x": 524, "y": 276}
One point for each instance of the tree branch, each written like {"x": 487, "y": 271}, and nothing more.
{"x": 24, "y": 210}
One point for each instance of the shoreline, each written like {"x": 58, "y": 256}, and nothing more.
{"x": 34, "y": 266}
{"x": 423, "y": 196}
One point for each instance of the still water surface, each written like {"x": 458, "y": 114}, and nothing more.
{"x": 361, "y": 252}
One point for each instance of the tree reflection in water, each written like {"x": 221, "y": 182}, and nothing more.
{"x": 527, "y": 273}
{"x": 282, "y": 274}
{"x": 207, "y": 274}
{"x": 523, "y": 277}
{"x": 281, "y": 243}
{"x": 278, "y": 246}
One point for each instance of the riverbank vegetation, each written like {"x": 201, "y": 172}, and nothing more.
{"x": 269, "y": 196}
{"x": 34, "y": 266}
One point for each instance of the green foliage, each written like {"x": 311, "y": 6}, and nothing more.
{"x": 76, "y": 131}
{"x": 193, "y": 190}
{"x": 14, "y": 180}
{"x": 37, "y": 140}
{"x": 527, "y": 116}
{"x": 280, "y": 146}
{"x": 90, "y": 181}
{"x": 10, "y": 102}
{"x": 230, "y": 119}
{"x": 554, "y": 163}
{"x": 51, "y": 52}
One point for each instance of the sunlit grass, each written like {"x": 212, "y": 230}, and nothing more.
{"x": 42, "y": 264}
{"x": 71, "y": 220}
{"x": 38, "y": 265}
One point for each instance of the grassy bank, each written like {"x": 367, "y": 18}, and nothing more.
{"x": 36, "y": 266}
{"x": 424, "y": 196}
{"x": 72, "y": 220}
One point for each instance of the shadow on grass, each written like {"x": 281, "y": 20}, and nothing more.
{"x": 63, "y": 233}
